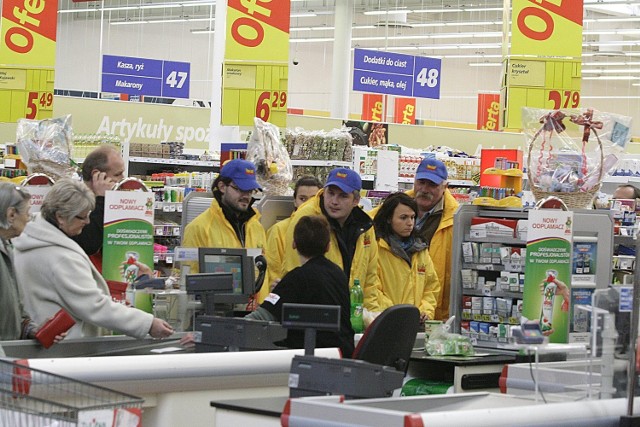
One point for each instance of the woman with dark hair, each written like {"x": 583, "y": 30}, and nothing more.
{"x": 405, "y": 268}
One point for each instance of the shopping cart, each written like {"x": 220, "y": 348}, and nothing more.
{"x": 35, "y": 398}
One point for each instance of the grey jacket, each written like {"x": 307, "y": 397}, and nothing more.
{"x": 15, "y": 321}
{"x": 54, "y": 272}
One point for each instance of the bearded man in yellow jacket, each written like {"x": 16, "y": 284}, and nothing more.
{"x": 230, "y": 221}
{"x": 353, "y": 245}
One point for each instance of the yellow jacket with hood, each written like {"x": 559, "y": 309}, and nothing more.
{"x": 440, "y": 251}
{"x": 211, "y": 229}
{"x": 403, "y": 283}
{"x": 365, "y": 259}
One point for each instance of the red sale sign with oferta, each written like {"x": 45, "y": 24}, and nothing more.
{"x": 404, "y": 111}
{"x": 488, "y": 111}
{"x": 255, "y": 72}
{"x": 28, "y": 56}
{"x": 372, "y": 106}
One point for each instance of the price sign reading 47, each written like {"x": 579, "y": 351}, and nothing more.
{"x": 564, "y": 99}
{"x": 38, "y": 101}
{"x": 268, "y": 101}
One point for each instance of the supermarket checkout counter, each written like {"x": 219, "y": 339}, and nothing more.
{"x": 176, "y": 387}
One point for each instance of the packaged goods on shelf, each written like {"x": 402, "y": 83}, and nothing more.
{"x": 84, "y": 143}
{"x": 318, "y": 145}
{"x": 484, "y": 227}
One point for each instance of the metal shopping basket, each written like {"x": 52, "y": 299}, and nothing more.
{"x": 35, "y": 398}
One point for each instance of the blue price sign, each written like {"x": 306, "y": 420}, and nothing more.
{"x": 426, "y": 78}
{"x": 396, "y": 74}
{"x": 143, "y": 76}
{"x": 175, "y": 77}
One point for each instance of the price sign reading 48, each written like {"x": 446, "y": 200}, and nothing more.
{"x": 427, "y": 77}
{"x": 38, "y": 101}
{"x": 268, "y": 101}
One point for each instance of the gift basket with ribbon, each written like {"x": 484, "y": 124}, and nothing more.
{"x": 570, "y": 152}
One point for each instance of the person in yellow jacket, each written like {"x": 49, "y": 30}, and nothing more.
{"x": 434, "y": 224}
{"x": 353, "y": 242}
{"x": 407, "y": 275}
{"x": 306, "y": 187}
{"x": 230, "y": 221}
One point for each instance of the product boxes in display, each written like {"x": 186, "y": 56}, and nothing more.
{"x": 492, "y": 227}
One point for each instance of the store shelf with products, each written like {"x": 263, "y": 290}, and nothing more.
{"x": 488, "y": 270}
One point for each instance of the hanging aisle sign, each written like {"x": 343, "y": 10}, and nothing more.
{"x": 255, "y": 70}
{"x": 547, "y": 288}
{"x": 396, "y": 74}
{"x": 144, "y": 76}
{"x": 28, "y": 56}
{"x": 542, "y": 66}
{"x": 128, "y": 234}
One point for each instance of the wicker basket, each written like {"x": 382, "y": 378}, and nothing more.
{"x": 581, "y": 200}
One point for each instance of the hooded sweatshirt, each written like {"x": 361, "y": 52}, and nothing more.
{"x": 54, "y": 272}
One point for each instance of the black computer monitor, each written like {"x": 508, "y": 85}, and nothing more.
{"x": 211, "y": 289}
{"x": 238, "y": 262}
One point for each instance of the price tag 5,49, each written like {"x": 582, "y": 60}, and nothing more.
{"x": 37, "y": 101}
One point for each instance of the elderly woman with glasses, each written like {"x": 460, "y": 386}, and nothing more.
{"x": 14, "y": 216}
{"x": 54, "y": 272}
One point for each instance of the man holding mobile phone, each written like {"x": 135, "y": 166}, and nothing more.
{"x": 102, "y": 169}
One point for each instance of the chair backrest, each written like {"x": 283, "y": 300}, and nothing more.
{"x": 390, "y": 338}
{"x": 193, "y": 205}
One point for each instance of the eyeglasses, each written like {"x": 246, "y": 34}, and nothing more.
{"x": 235, "y": 187}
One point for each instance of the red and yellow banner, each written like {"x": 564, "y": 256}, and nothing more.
{"x": 404, "y": 111}
{"x": 488, "y": 111}
{"x": 27, "y": 58}
{"x": 255, "y": 72}
{"x": 543, "y": 66}
{"x": 546, "y": 28}
{"x": 372, "y": 106}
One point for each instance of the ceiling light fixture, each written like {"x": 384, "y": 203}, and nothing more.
{"x": 195, "y": 3}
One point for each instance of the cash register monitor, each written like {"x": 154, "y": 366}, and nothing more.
{"x": 211, "y": 289}
{"x": 231, "y": 260}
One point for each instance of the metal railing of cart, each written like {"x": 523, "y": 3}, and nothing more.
{"x": 36, "y": 398}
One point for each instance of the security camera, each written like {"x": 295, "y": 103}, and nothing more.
{"x": 295, "y": 61}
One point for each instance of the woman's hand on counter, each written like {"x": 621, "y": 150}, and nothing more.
{"x": 188, "y": 340}
{"x": 160, "y": 329}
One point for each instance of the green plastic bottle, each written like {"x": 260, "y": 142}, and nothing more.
{"x": 357, "y": 299}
